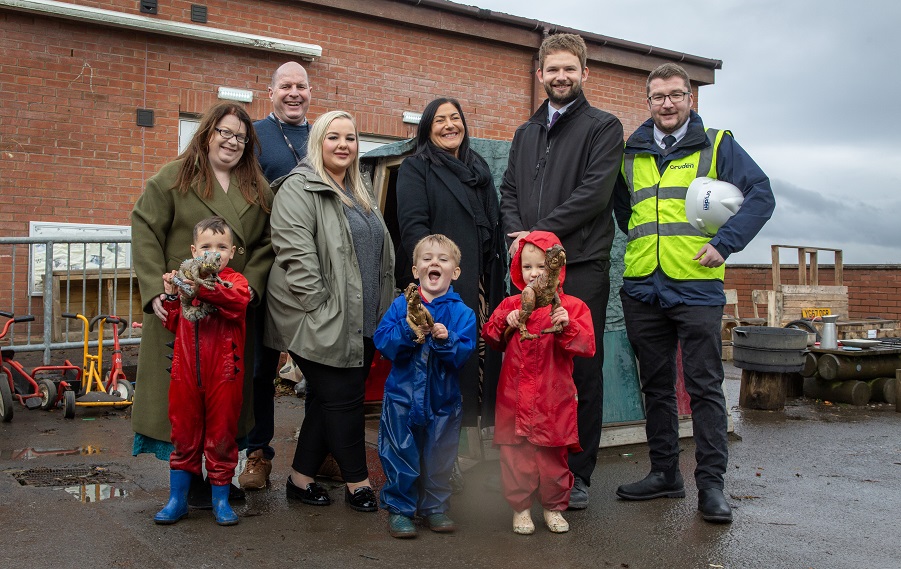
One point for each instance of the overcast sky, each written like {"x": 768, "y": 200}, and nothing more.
{"x": 811, "y": 89}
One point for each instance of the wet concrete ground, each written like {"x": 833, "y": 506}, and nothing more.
{"x": 815, "y": 486}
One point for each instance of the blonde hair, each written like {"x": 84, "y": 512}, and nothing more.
{"x": 441, "y": 241}
{"x": 529, "y": 245}
{"x": 353, "y": 179}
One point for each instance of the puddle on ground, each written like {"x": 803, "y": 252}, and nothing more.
{"x": 75, "y": 476}
{"x": 87, "y": 493}
{"x": 32, "y": 453}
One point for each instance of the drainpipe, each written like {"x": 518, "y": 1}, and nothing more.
{"x": 537, "y": 89}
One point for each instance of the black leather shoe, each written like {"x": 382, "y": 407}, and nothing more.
{"x": 713, "y": 506}
{"x": 235, "y": 492}
{"x": 362, "y": 500}
{"x": 200, "y": 494}
{"x": 314, "y": 494}
{"x": 578, "y": 496}
{"x": 654, "y": 485}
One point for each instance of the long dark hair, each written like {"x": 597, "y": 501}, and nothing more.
{"x": 424, "y": 146}
{"x": 196, "y": 169}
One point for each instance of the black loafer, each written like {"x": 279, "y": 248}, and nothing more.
{"x": 713, "y": 506}
{"x": 313, "y": 494}
{"x": 362, "y": 500}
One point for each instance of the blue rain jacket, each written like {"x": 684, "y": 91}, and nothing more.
{"x": 419, "y": 429}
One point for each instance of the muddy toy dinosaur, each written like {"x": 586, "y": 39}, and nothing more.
{"x": 204, "y": 271}
{"x": 543, "y": 292}
{"x": 417, "y": 314}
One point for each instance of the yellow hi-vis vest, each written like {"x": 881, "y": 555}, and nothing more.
{"x": 659, "y": 232}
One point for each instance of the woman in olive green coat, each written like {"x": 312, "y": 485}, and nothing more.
{"x": 217, "y": 174}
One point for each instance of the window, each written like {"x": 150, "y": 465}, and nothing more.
{"x": 187, "y": 126}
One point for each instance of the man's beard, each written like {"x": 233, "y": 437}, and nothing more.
{"x": 574, "y": 92}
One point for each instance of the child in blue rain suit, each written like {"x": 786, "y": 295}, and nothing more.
{"x": 420, "y": 426}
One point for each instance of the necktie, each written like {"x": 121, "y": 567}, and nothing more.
{"x": 554, "y": 118}
{"x": 668, "y": 141}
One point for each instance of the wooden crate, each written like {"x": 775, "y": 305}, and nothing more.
{"x": 727, "y": 351}
{"x": 786, "y": 305}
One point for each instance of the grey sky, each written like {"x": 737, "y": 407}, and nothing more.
{"x": 807, "y": 88}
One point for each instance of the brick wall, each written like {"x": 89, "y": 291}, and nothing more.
{"x": 70, "y": 149}
{"x": 69, "y": 146}
{"x": 873, "y": 290}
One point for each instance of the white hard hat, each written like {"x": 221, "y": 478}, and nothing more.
{"x": 710, "y": 203}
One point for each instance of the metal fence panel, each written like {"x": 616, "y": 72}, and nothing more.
{"x": 66, "y": 274}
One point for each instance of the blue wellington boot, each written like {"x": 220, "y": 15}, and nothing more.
{"x": 225, "y": 516}
{"x": 177, "y": 507}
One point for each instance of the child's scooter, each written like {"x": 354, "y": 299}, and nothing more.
{"x": 116, "y": 391}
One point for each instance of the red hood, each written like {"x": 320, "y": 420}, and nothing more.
{"x": 541, "y": 239}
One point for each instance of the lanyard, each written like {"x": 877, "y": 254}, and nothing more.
{"x": 278, "y": 123}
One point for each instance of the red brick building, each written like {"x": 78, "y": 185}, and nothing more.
{"x": 73, "y": 76}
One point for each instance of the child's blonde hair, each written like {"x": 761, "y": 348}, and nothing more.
{"x": 527, "y": 244}
{"x": 441, "y": 241}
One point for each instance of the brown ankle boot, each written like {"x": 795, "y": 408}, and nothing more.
{"x": 256, "y": 471}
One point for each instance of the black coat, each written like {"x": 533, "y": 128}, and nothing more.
{"x": 431, "y": 199}
{"x": 561, "y": 180}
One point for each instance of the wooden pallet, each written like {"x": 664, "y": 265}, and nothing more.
{"x": 786, "y": 302}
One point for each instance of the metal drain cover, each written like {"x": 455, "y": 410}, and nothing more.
{"x": 65, "y": 476}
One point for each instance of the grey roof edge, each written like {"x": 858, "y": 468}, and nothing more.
{"x": 549, "y": 28}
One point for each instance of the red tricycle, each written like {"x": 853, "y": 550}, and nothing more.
{"x": 38, "y": 389}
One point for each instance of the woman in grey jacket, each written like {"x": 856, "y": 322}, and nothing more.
{"x": 330, "y": 285}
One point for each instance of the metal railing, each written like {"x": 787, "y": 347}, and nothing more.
{"x": 46, "y": 277}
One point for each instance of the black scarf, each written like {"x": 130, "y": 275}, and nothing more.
{"x": 476, "y": 178}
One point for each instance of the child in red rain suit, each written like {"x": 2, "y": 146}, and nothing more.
{"x": 535, "y": 424}
{"x": 205, "y": 393}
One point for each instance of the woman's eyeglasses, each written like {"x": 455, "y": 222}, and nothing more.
{"x": 227, "y": 134}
